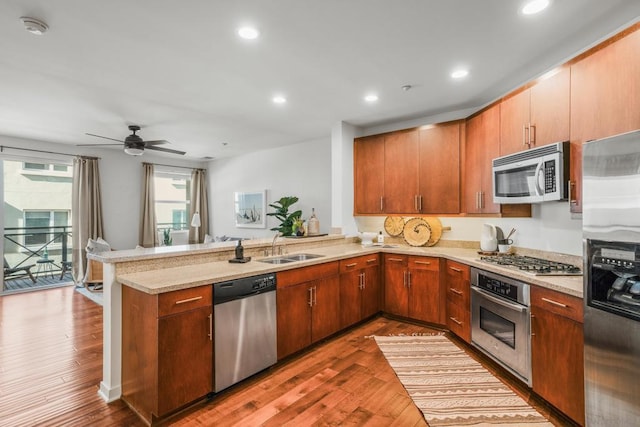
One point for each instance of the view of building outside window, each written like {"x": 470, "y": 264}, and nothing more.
{"x": 37, "y": 213}
{"x": 172, "y": 191}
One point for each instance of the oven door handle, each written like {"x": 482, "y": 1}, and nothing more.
{"x": 499, "y": 301}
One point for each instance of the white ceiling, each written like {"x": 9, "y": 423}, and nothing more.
{"x": 178, "y": 69}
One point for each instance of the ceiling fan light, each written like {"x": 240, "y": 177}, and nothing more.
{"x": 134, "y": 151}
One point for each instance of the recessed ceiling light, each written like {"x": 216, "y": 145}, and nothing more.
{"x": 371, "y": 98}
{"x": 33, "y": 25}
{"x": 534, "y": 6}
{"x": 460, "y": 73}
{"x": 279, "y": 99}
{"x": 248, "y": 33}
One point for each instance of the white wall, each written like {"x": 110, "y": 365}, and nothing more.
{"x": 120, "y": 180}
{"x": 302, "y": 170}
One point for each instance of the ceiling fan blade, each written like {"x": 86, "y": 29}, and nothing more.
{"x": 157, "y": 142}
{"x": 166, "y": 150}
{"x": 105, "y": 137}
{"x": 94, "y": 145}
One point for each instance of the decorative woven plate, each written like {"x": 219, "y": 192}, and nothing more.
{"x": 416, "y": 232}
{"x": 436, "y": 229}
{"x": 394, "y": 225}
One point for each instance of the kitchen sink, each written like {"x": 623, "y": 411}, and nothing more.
{"x": 289, "y": 258}
{"x": 302, "y": 257}
{"x": 279, "y": 260}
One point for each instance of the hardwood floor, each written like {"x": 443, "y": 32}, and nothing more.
{"x": 51, "y": 365}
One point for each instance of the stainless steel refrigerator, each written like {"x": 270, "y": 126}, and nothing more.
{"x": 611, "y": 230}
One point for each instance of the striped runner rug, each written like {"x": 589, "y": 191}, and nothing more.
{"x": 451, "y": 388}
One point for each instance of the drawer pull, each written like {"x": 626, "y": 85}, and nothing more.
{"x": 369, "y": 261}
{"x": 353, "y": 264}
{"x": 395, "y": 259}
{"x": 423, "y": 262}
{"x": 182, "y": 301}
{"x": 550, "y": 301}
{"x": 457, "y": 270}
{"x": 456, "y": 321}
{"x": 455, "y": 291}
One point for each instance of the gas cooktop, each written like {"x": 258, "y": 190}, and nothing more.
{"x": 532, "y": 265}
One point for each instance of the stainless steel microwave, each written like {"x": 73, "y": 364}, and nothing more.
{"x": 532, "y": 176}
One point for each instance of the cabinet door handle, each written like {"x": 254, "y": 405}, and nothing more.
{"x": 183, "y": 301}
{"x": 310, "y": 302}
{"x": 572, "y": 201}
{"x": 482, "y": 200}
{"x": 420, "y": 200}
{"x": 381, "y": 204}
{"x": 550, "y": 301}
{"x": 395, "y": 259}
{"x": 423, "y": 262}
{"x": 455, "y": 291}
{"x": 457, "y": 270}
{"x": 353, "y": 264}
{"x": 409, "y": 278}
{"x": 364, "y": 281}
{"x": 456, "y": 321}
{"x": 532, "y": 135}
{"x": 210, "y": 327}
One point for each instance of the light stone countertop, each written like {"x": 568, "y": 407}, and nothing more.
{"x": 176, "y": 278}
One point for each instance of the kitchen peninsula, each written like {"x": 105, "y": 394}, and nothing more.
{"x": 165, "y": 269}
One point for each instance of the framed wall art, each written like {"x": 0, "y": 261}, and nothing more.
{"x": 250, "y": 209}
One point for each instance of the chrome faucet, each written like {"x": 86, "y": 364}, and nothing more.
{"x": 273, "y": 243}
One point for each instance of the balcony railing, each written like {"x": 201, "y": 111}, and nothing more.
{"x": 27, "y": 245}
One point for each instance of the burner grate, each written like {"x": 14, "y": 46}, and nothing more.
{"x": 533, "y": 265}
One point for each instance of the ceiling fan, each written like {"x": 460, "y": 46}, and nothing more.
{"x": 134, "y": 145}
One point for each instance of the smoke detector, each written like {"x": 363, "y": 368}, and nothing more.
{"x": 34, "y": 26}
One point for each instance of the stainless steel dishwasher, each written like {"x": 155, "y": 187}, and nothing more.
{"x": 245, "y": 328}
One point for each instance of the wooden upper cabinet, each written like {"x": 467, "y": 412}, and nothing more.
{"x": 439, "y": 155}
{"x": 536, "y": 116}
{"x": 550, "y": 108}
{"x": 401, "y": 172}
{"x": 605, "y": 98}
{"x": 368, "y": 154}
{"x": 482, "y": 145}
{"x": 514, "y": 123}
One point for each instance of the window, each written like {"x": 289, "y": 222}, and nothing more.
{"x": 46, "y": 169}
{"x": 38, "y": 226}
{"x": 172, "y": 198}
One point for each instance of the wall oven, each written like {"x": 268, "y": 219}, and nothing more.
{"x": 500, "y": 321}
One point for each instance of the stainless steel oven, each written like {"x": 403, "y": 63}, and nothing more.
{"x": 500, "y": 321}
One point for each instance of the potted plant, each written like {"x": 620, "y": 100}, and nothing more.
{"x": 282, "y": 213}
{"x": 298, "y": 226}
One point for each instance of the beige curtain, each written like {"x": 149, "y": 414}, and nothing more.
{"x": 199, "y": 203}
{"x": 86, "y": 212}
{"x": 148, "y": 223}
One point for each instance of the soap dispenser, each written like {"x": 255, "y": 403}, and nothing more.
{"x": 239, "y": 250}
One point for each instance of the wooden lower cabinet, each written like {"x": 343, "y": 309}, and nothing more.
{"x": 308, "y": 301}
{"x": 167, "y": 349}
{"x": 457, "y": 286}
{"x": 557, "y": 346}
{"x": 412, "y": 287}
{"x": 359, "y": 289}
